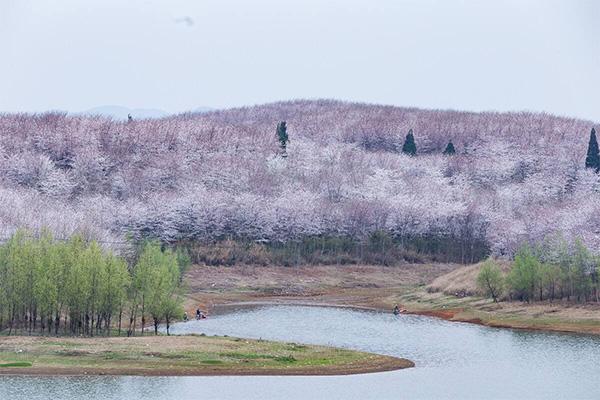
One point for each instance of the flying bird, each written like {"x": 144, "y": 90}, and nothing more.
{"x": 187, "y": 20}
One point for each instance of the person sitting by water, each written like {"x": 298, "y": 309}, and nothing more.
{"x": 198, "y": 313}
{"x": 396, "y": 310}
{"x": 185, "y": 316}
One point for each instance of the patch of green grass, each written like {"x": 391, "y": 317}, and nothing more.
{"x": 255, "y": 356}
{"x": 212, "y": 362}
{"x": 71, "y": 353}
{"x": 318, "y": 361}
{"x": 247, "y": 356}
{"x": 285, "y": 359}
{"x": 175, "y": 356}
{"x": 111, "y": 355}
{"x": 297, "y": 347}
{"x": 60, "y": 344}
{"x": 16, "y": 364}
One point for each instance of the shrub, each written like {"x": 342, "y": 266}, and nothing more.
{"x": 490, "y": 280}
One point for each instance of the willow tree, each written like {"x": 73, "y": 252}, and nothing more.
{"x": 155, "y": 278}
{"x": 524, "y": 274}
{"x": 114, "y": 287}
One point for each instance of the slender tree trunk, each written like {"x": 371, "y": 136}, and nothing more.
{"x": 56, "y": 322}
{"x": 91, "y": 329}
{"x": 143, "y": 314}
{"x": 132, "y": 317}
{"x": 12, "y": 322}
{"x": 120, "y": 319}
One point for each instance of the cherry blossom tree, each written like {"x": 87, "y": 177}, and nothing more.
{"x": 515, "y": 177}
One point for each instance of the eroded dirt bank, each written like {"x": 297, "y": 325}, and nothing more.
{"x": 380, "y": 288}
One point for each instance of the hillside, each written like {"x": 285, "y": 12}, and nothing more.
{"x": 208, "y": 176}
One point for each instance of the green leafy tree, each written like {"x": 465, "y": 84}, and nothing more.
{"x": 523, "y": 276}
{"x": 183, "y": 261}
{"x": 46, "y": 286}
{"x": 172, "y": 310}
{"x": 583, "y": 265}
{"x": 594, "y": 278}
{"x": 156, "y": 277}
{"x": 490, "y": 280}
{"x": 15, "y": 259}
{"x": 593, "y": 153}
{"x": 550, "y": 276}
{"x": 114, "y": 285}
{"x": 449, "y": 151}
{"x": 79, "y": 286}
{"x": 409, "y": 146}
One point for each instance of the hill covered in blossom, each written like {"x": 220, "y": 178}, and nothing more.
{"x": 204, "y": 177}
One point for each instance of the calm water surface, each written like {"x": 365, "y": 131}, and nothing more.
{"x": 453, "y": 361}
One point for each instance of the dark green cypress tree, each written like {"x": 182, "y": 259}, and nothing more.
{"x": 409, "y": 146}
{"x": 282, "y": 135}
{"x": 449, "y": 149}
{"x": 593, "y": 155}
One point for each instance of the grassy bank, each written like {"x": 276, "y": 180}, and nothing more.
{"x": 442, "y": 290}
{"x": 181, "y": 355}
{"x": 559, "y": 316}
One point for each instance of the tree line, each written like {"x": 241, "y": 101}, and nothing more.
{"x": 544, "y": 272}
{"x": 74, "y": 287}
{"x": 378, "y": 248}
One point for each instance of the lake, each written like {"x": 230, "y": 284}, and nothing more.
{"x": 453, "y": 360}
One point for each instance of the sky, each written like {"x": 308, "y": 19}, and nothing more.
{"x": 177, "y": 55}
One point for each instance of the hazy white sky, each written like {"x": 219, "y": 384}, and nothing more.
{"x": 177, "y": 55}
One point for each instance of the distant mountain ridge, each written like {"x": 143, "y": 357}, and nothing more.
{"x": 121, "y": 112}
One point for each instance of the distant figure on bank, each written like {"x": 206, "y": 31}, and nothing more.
{"x": 129, "y": 118}
{"x": 185, "y": 316}
{"x": 396, "y": 310}
{"x": 200, "y": 314}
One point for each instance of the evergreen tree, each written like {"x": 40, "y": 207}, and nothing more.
{"x": 449, "y": 149}
{"x": 282, "y": 136}
{"x": 409, "y": 146}
{"x": 593, "y": 155}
